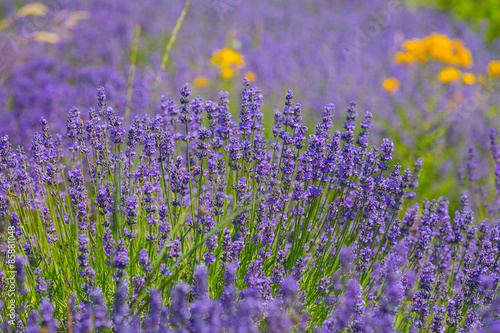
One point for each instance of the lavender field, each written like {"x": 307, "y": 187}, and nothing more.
{"x": 249, "y": 166}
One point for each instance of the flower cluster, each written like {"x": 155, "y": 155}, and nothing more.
{"x": 191, "y": 220}
{"x": 440, "y": 48}
{"x": 437, "y": 47}
{"x": 228, "y": 61}
{"x": 44, "y": 77}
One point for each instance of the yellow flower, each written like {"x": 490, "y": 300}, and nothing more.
{"x": 416, "y": 48}
{"x": 228, "y": 60}
{"x": 226, "y": 72}
{"x": 449, "y": 74}
{"x": 469, "y": 78}
{"x": 438, "y": 41}
{"x": 494, "y": 68}
{"x": 412, "y": 45}
{"x": 201, "y": 81}
{"x": 391, "y": 84}
{"x": 438, "y": 46}
{"x": 464, "y": 58}
{"x": 403, "y": 57}
{"x": 250, "y": 76}
{"x": 46, "y": 37}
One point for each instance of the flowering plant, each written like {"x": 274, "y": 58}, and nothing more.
{"x": 192, "y": 221}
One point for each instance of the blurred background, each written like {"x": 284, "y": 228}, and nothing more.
{"x": 429, "y": 71}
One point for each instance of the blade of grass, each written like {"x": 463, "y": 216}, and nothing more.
{"x": 168, "y": 48}
{"x": 173, "y": 37}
